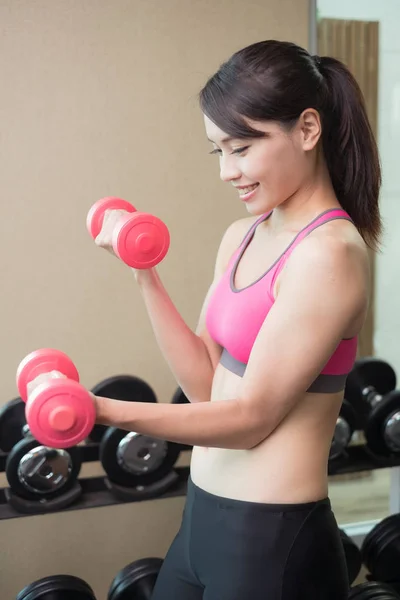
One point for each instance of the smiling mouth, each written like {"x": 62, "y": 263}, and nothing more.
{"x": 246, "y": 190}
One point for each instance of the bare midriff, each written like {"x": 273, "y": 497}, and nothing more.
{"x": 289, "y": 466}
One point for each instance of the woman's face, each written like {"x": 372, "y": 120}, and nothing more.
{"x": 265, "y": 171}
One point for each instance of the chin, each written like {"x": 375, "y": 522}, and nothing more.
{"x": 255, "y": 212}
{"x": 257, "y": 209}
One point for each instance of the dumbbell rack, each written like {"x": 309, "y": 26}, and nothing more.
{"x": 96, "y": 494}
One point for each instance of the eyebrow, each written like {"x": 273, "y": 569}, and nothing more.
{"x": 224, "y": 140}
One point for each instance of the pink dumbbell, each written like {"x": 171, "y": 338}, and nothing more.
{"x": 60, "y": 412}
{"x": 140, "y": 240}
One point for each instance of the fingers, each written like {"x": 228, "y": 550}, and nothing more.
{"x": 110, "y": 220}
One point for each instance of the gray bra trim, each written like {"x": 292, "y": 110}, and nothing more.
{"x": 251, "y": 233}
{"x": 230, "y": 363}
{"x": 328, "y": 384}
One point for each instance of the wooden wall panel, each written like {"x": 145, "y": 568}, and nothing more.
{"x": 356, "y": 44}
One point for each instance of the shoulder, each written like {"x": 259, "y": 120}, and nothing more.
{"x": 338, "y": 246}
{"x": 337, "y": 261}
{"x": 231, "y": 240}
{"x": 326, "y": 245}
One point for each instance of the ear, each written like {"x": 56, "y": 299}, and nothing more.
{"x": 310, "y": 128}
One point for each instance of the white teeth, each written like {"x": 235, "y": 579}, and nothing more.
{"x": 248, "y": 189}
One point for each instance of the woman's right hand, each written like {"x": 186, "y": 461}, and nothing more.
{"x": 104, "y": 240}
{"x": 111, "y": 219}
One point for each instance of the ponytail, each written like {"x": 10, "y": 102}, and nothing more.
{"x": 350, "y": 149}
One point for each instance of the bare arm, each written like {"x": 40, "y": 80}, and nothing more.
{"x": 322, "y": 292}
{"x": 191, "y": 356}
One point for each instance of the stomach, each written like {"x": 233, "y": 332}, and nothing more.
{"x": 289, "y": 466}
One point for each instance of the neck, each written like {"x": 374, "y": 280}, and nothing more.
{"x": 314, "y": 196}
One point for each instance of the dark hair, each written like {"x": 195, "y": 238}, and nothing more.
{"x": 274, "y": 80}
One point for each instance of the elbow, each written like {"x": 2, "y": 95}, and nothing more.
{"x": 254, "y": 440}
{"x": 255, "y": 430}
{"x": 246, "y": 442}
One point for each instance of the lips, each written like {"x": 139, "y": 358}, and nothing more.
{"x": 244, "y": 190}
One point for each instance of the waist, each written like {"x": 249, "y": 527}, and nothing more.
{"x": 210, "y": 499}
{"x": 268, "y": 473}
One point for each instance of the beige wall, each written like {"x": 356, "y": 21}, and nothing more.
{"x": 99, "y": 98}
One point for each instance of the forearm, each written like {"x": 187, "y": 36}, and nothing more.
{"x": 223, "y": 424}
{"x": 183, "y": 350}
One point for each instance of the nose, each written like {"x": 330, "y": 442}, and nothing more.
{"x": 228, "y": 169}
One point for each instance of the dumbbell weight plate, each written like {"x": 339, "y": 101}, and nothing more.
{"x": 43, "y": 361}
{"x": 35, "y": 472}
{"x": 134, "y": 460}
{"x": 345, "y": 425}
{"x": 141, "y": 240}
{"x": 353, "y": 556}
{"x": 94, "y": 219}
{"x": 135, "y": 581}
{"x": 371, "y": 540}
{"x": 372, "y": 590}
{"x": 379, "y": 441}
{"x": 57, "y": 587}
{"x": 385, "y": 566}
{"x": 179, "y": 397}
{"x": 12, "y": 423}
{"x": 373, "y": 544}
{"x": 367, "y": 372}
{"x": 121, "y": 387}
{"x": 62, "y": 415}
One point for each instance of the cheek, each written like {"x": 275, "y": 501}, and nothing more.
{"x": 274, "y": 164}
{"x": 288, "y": 165}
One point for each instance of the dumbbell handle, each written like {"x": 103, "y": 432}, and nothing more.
{"x": 95, "y": 216}
{"x": 390, "y": 425}
{"x": 43, "y": 378}
{"x": 341, "y": 438}
{"x": 371, "y": 395}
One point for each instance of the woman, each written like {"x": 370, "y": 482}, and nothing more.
{"x": 277, "y": 336}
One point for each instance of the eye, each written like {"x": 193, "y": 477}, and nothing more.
{"x": 240, "y": 150}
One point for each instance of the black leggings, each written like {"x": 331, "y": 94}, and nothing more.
{"x": 234, "y": 550}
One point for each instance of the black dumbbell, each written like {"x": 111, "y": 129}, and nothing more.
{"x": 57, "y": 587}
{"x": 136, "y": 465}
{"x": 353, "y": 556}
{"x": 344, "y": 429}
{"x": 372, "y": 590}
{"x": 120, "y": 387}
{"x": 12, "y": 423}
{"x": 40, "y": 478}
{"x": 135, "y": 581}
{"x": 380, "y": 552}
{"x": 179, "y": 397}
{"x": 370, "y": 387}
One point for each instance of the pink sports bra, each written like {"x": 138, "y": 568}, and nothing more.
{"x": 235, "y": 316}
